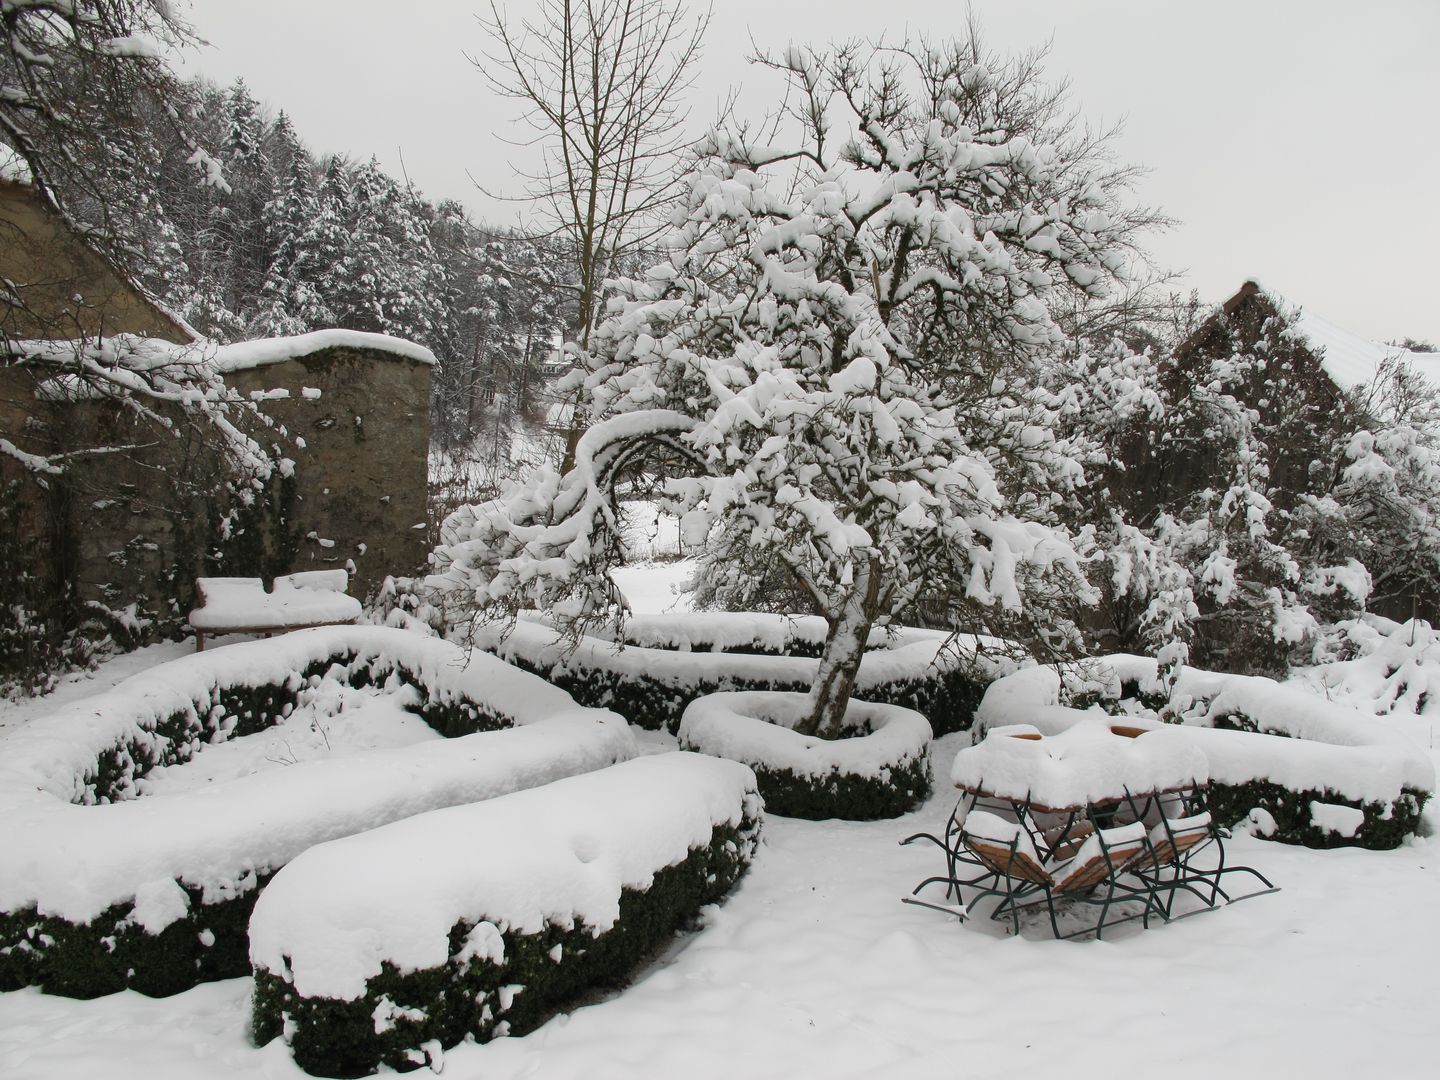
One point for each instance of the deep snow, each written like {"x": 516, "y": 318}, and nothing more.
{"x": 814, "y": 968}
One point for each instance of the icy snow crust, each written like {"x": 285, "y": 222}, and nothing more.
{"x": 1085, "y": 762}
{"x": 558, "y": 854}
{"x": 1306, "y": 743}
{"x": 218, "y": 838}
{"x": 755, "y": 727}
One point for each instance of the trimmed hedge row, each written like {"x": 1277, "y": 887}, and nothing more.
{"x": 848, "y": 796}
{"x": 112, "y": 951}
{"x": 1386, "y": 825}
{"x": 1247, "y": 727}
{"x": 879, "y": 769}
{"x": 651, "y": 687}
{"x": 511, "y": 911}
{"x": 481, "y": 999}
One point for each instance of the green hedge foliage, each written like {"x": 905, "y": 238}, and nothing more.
{"x": 541, "y": 974}
{"x": 111, "y": 953}
{"x": 947, "y": 697}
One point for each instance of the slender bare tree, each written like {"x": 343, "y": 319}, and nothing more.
{"x": 601, "y": 84}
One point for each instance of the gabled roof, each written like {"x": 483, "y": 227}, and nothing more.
{"x": 1351, "y": 361}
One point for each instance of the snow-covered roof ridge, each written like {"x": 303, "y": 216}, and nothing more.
{"x": 13, "y": 167}
{"x": 1350, "y": 360}
{"x": 252, "y": 354}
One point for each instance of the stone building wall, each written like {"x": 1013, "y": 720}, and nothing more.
{"x": 65, "y": 287}
{"x": 360, "y": 477}
{"x": 351, "y": 411}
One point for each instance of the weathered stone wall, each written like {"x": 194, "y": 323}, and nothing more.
{"x": 138, "y": 526}
{"x": 360, "y": 477}
{"x": 51, "y": 267}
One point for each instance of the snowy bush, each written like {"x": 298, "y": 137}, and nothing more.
{"x": 169, "y": 880}
{"x": 1271, "y": 747}
{"x": 1282, "y": 490}
{"x": 505, "y": 910}
{"x": 879, "y": 769}
{"x": 1378, "y": 665}
{"x": 651, "y": 686}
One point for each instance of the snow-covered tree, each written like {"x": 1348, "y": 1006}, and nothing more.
{"x": 284, "y": 219}
{"x": 72, "y": 73}
{"x": 837, "y": 367}
{"x": 1282, "y": 503}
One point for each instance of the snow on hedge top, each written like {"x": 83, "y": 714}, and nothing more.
{"x": 218, "y": 838}
{"x": 1306, "y": 743}
{"x": 915, "y": 653}
{"x": 1087, "y": 762}
{"x": 57, "y": 753}
{"x": 75, "y": 862}
{"x": 252, "y": 354}
{"x": 754, "y": 727}
{"x": 724, "y": 631}
{"x": 1352, "y": 361}
{"x": 558, "y": 854}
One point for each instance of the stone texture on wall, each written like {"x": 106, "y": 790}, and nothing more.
{"x": 51, "y": 267}
{"x": 137, "y": 527}
{"x": 360, "y": 478}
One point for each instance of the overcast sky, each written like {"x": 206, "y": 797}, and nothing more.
{"x": 1294, "y": 140}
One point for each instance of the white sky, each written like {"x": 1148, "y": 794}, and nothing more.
{"x": 1295, "y": 140}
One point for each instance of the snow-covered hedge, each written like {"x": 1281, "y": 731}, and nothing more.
{"x": 478, "y": 921}
{"x": 1298, "y": 759}
{"x": 677, "y": 659}
{"x": 882, "y": 770}
{"x": 100, "y": 890}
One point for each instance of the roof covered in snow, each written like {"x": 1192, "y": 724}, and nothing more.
{"x": 1349, "y": 359}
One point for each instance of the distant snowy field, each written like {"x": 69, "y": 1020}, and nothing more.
{"x": 814, "y": 968}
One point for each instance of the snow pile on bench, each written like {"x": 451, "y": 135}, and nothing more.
{"x": 310, "y": 598}
{"x": 153, "y": 864}
{"x": 478, "y": 920}
{"x": 1084, "y": 763}
{"x": 882, "y": 770}
{"x": 1269, "y": 745}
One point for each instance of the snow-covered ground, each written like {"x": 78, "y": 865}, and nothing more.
{"x": 331, "y": 720}
{"x": 815, "y": 968}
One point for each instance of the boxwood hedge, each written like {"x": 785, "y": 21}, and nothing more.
{"x": 403, "y": 1017}
{"x": 111, "y": 952}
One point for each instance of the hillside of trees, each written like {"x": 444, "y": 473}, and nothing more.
{"x": 293, "y": 242}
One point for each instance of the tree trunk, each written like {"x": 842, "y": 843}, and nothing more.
{"x": 840, "y": 661}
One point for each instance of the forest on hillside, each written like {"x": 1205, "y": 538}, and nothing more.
{"x": 292, "y": 242}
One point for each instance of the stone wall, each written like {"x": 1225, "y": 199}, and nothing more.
{"x": 137, "y": 527}
{"x": 66, "y": 289}
{"x": 360, "y": 477}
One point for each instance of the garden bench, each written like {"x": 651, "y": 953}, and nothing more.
{"x": 240, "y": 605}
